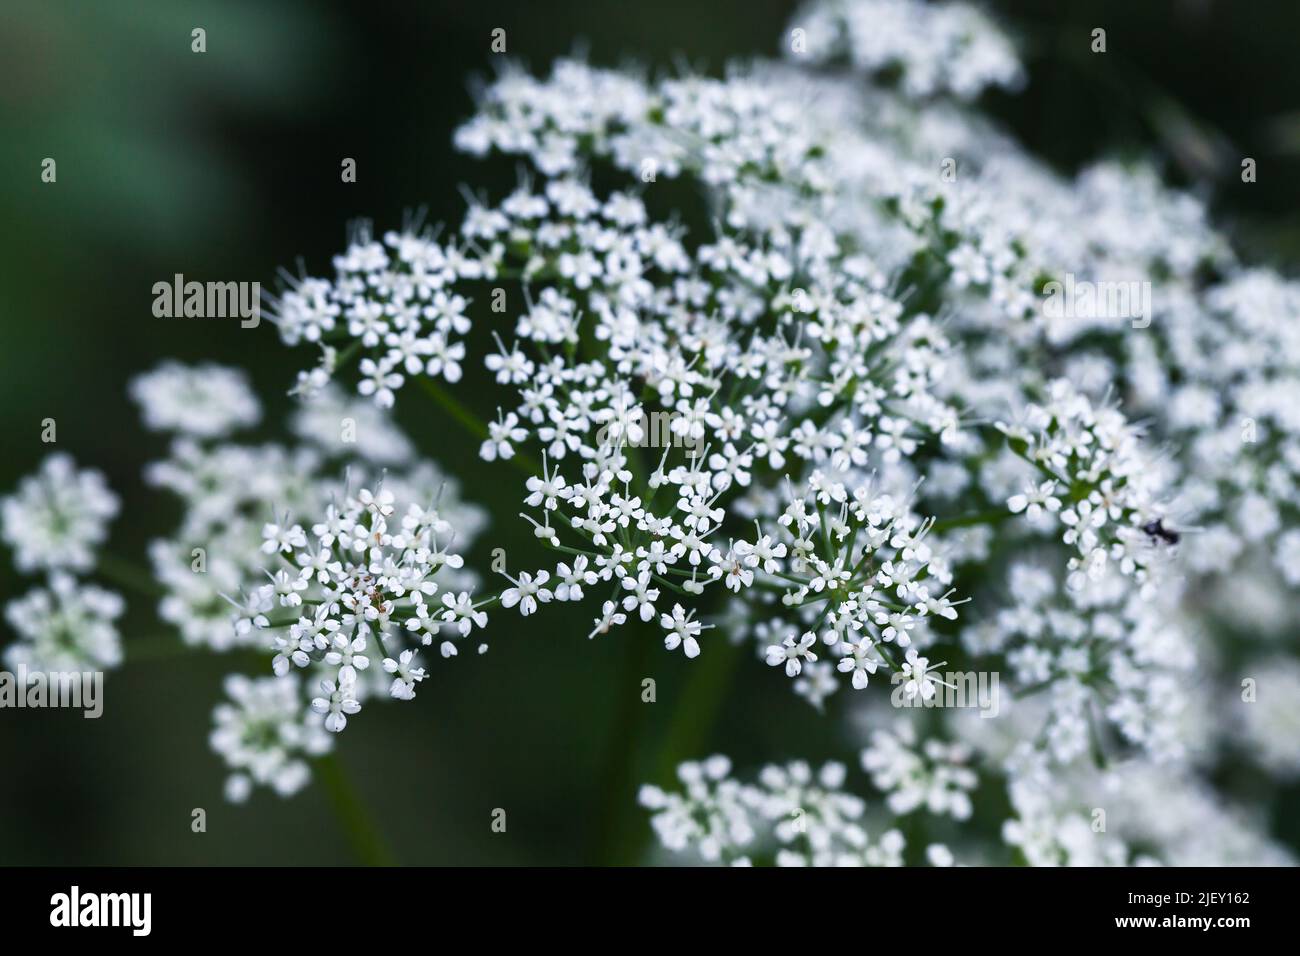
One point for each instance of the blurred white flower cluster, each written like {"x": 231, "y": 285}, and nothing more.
{"x": 55, "y": 522}
{"x": 57, "y": 518}
{"x": 791, "y": 815}
{"x": 941, "y": 48}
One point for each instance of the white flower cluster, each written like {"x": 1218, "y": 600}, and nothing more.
{"x": 1215, "y": 379}
{"x": 1093, "y": 478}
{"x": 58, "y": 517}
{"x": 931, "y": 773}
{"x": 1133, "y": 814}
{"x": 65, "y": 627}
{"x": 55, "y": 522}
{"x": 1220, "y": 379}
{"x": 349, "y": 590}
{"x": 390, "y": 298}
{"x": 1103, "y": 653}
{"x": 205, "y": 401}
{"x": 850, "y": 567}
{"x": 747, "y": 430}
{"x": 266, "y": 736}
{"x": 935, "y": 48}
{"x": 1270, "y": 723}
{"x": 753, "y": 358}
{"x": 226, "y": 490}
{"x": 793, "y": 815}
{"x": 786, "y": 374}
{"x": 240, "y": 573}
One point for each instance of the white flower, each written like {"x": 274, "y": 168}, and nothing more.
{"x": 461, "y": 611}
{"x": 682, "y": 631}
{"x": 380, "y": 380}
{"x": 289, "y": 587}
{"x": 283, "y": 539}
{"x": 339, "y": 703}
{"x": 792, "y": 653}
{"x": 1035, "y": 499}
{"x": 917, "y": 678}
{"x": 348, "y": 656}
{"x": 857, "y": 660}
{"x": 643, "y": 596}
{"x": 572, "y": 579}
{"x": 406, "y": 674}
{"x": 527, "y": 592}
{"x": 501, "y": 435}
{"x": 545, "y": 490}
{"x": 610, "y": 617}
{"x": 426, "y": 622}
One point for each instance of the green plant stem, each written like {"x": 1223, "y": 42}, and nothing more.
{"x": 452, "y": 407}
{"x": 364, "y": 837}
{"x": 616, "y": 835}
{"x": 625, "y": 833}
{"x": 698, "y": 708}
{"x": 471, "y": 422}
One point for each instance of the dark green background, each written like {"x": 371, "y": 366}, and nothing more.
{"x": 226, "y": 166}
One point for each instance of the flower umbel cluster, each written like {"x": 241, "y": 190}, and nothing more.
{"x": 1094, "y": 481}
{"x": 792, "y": 815}
{"x": 356, "y": 588}
{"x": 58, "y": 517}
{"x": 324, "y": 600}
{"x": 55, "y": 522}
{"x": 392, "y": 298}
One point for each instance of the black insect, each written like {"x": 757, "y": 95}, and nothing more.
{"x": 1156, "y": 529}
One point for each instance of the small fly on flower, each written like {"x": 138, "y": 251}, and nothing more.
{"x": 1156, "y": 530}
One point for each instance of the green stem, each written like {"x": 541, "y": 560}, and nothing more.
{"x": 698, "y": 708}
{"x": 354, "y": 820}
{"x": 452, "y": 407}
{"x": 471, "y": 422}
{"x": 617, "y": 840}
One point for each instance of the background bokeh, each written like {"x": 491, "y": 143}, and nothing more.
{"x": 225, "y": 165}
